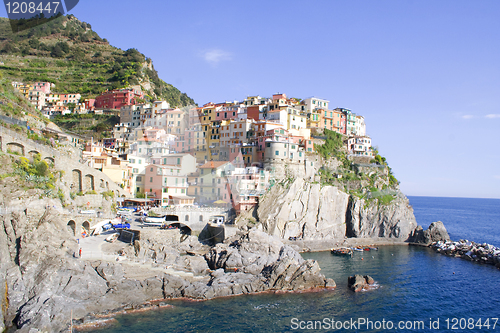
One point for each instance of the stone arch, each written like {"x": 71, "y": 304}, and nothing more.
{"x": 77, "y": 180}
{"x": 170, "y": 218}
{"x": 86, "y": 227}
{"x": 15, "y": 148}
{"x": 32, "y": 153}
{"x": 101, "y": 184}
{"x": 186, "y": 218}
{"x": 71, "y": 227}
{"x": 49, "y": 159}
{"x": 89, "y": 183}
{"x": 201, "y": 218}
{"x": 107, "y": 185}
{"x": 185, "y": 230}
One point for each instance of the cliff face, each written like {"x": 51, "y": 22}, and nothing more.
{"x": 310, "y": 211}
{"x": 395, "y": 220}
{"x": 304, "y": 210}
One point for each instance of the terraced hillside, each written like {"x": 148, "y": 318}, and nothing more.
{"x": 70, "y": 54}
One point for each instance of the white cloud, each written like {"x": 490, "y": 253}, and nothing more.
{"x": 215, "y": 56}
{"x": 493, "y": 115}
{"x": 467, "y": 116}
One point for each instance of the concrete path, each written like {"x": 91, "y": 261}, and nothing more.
{"x": 91, "y": 250}
{"x": 91, "y": 247}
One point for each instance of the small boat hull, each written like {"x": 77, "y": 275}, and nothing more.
{"x": 342, "y": 251}
{"x": 112, "y": 238}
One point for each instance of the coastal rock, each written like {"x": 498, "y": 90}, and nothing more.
{"x": 309, "y": 211}
{"x": 42, "y": 283}
{"x": 435, "y": 233}
{"x": 395, "y": 220}
{"x": 482, "y": 253}
{"x": 273, "y": 265}
{"x": 359, "y": 283}
{"x": 304, "y": 210}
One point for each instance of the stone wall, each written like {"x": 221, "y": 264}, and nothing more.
{"x": 79, "y": 177}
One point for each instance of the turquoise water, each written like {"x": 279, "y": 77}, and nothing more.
{"x": 416, "y": 286}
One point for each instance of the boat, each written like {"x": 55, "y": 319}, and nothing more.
{"x": 357, "y": 249}
{"x": 112, "y": 238}
{"x": 373, "y": 248}
{"x": 342, "y": 251}
{"x": 154, "y": 221}
{"x": 124, "y": 212}
{"x": 215, "y": 229}
{"x": 217, "y": 220}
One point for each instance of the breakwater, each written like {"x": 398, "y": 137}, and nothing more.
{"x": 483, "y": 253}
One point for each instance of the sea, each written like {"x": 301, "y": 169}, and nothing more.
{"x": 418, "y": 290}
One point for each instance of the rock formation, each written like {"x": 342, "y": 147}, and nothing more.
{"x": 359, "y": 283}
{"x": 41, "y": 281}
{"x": 310, "y": 211}
{"x": 278, "y": 266}
{"x": 435, "y": 233}
{"x": 482, "y": 253}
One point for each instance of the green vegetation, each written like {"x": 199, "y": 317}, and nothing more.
{"x": 37, "y": 174}
{"x": 108, "y": 195}
{"x": 60, "y": 195}
{"x": 332, "y": 146}
{"x": 382, "y": 161}
{"x": 14, "y": 105}
{"x": 374, "y": 187}
{"x": 68, "y": 53}
{"x": 96, "y": 125}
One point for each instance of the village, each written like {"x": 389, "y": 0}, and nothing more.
{"x": 225, "y": 154}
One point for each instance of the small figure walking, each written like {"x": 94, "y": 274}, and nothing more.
{"x": 80, "y": 252}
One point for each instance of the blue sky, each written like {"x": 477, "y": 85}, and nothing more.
{"x": 424, "y": 74}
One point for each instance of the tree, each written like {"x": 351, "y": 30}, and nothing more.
{"x": 71, "y": 106}
{"x": 34, "y": 43}
{"x": 57, "y": 52}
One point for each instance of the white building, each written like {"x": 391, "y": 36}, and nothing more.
{"x": 313, "y": 103}
{"x": 360, "y": 126}
{"x": 360, "y": 146}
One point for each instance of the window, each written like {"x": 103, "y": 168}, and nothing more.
{"x": 277, "y": 153}
{"x": 138, "y": 179}
{"x": 150, "y": 179}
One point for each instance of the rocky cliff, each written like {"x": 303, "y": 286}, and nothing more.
{"x": 310, "y": 211}
{"x": 43, "y": 284}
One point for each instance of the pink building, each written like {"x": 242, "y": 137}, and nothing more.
{"x": 90, "y": 104}
{"x": 42, "y": 86}
{"x": 115, "y": 99}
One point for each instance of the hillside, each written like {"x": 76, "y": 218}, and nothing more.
{"x": 67, "y": 52}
